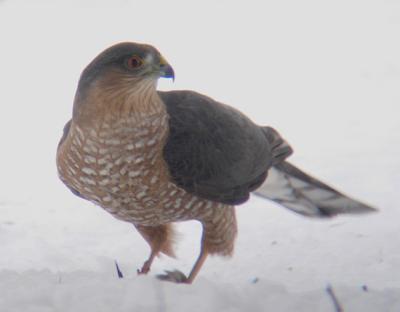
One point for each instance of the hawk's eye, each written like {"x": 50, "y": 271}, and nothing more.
{"x": 134, "y": 62}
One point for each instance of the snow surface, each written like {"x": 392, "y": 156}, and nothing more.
{"x": 325, "y": 74}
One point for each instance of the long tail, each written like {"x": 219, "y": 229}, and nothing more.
{"x": 294, "y": 189}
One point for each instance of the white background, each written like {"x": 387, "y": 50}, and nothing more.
{"x": 326, "y": 74}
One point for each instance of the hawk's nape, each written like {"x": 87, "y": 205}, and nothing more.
{"x": 153, "y": 158}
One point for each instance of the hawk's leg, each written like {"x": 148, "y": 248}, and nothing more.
{"x": 219, "y": 233}
{"x": 147, "y": 264}
{"x": 160, "y": 238}
{"x": 197, "y": 266}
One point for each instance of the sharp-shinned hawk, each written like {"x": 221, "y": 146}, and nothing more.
{"x": 152, "y": 158}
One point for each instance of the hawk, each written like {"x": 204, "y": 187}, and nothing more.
{"x": 152, "y": 158}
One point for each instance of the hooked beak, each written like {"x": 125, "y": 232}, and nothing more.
{"x": 166, "y": 71}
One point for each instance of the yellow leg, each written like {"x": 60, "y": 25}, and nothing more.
{"x": 197, "y": 266}
{"x": 147, "y": 264}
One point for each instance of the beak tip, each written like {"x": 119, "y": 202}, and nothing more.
{"x": 168, "y": 72}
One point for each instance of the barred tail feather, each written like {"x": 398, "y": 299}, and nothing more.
{"x": 297, "y": 191}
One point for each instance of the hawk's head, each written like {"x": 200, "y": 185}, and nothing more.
{"x": 127, "y": 62}
{"x": 120, "y": 71}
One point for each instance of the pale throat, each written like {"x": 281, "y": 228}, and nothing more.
{"x": 123, "y": 100}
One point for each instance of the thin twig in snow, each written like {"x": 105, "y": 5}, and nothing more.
{"x": 336, "y": 303}
{"x": 119, "y": 273}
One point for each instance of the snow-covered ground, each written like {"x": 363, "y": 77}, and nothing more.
{"x": 325, "y": 74}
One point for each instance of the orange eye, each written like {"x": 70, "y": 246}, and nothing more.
{"x": 135, "y": 62}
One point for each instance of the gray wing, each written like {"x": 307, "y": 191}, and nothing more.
{"x": 214, "y": 151}
{"x": 217, "y": 153}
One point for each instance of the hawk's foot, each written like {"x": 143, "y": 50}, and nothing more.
{"x": 174, "y": 276}
{"x": 145, "y": 268}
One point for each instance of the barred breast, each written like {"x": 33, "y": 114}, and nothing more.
{"x": 120, "y": 167}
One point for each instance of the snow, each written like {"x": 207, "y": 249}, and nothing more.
{"x": 85, "y": 291}
{"x": 326, "y": 75}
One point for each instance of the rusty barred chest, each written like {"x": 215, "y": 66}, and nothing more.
{"x": 120, "y": 167}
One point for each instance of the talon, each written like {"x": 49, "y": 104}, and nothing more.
{"x": 174, "y": 276}
{"x": 140, "y": 272}
{"x": 145, "y": 268}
